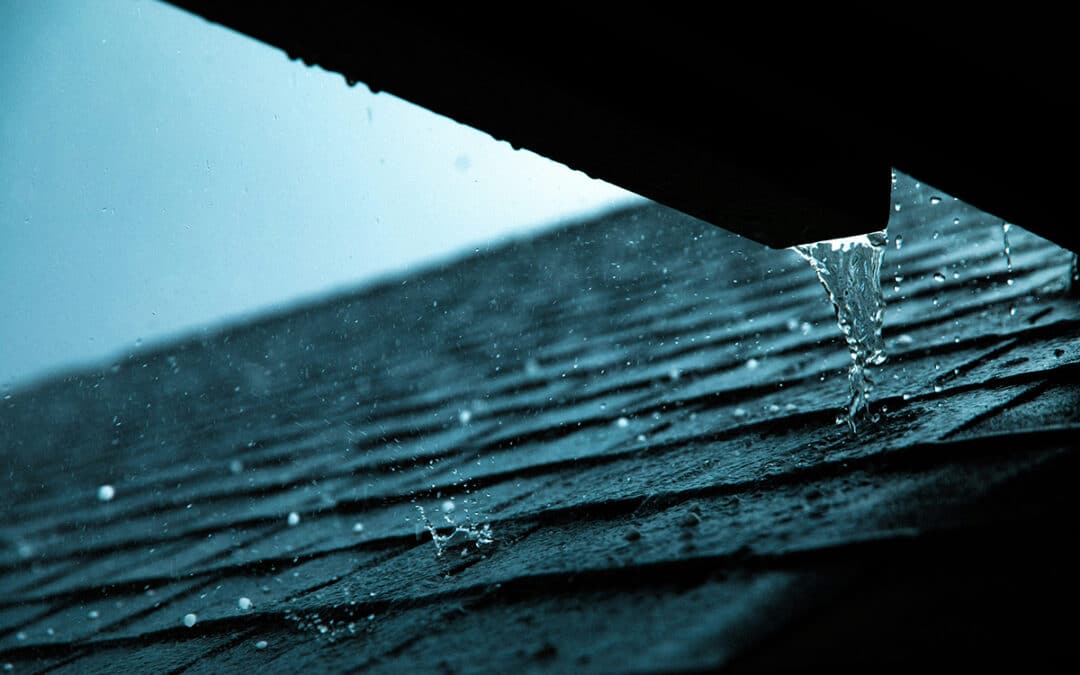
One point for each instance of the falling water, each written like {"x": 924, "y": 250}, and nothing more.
{"x": 850, "y": 271}
{"x": 1008, "y": 251}
{"x": 1074, "y": 276}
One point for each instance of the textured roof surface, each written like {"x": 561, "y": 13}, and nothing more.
{"x": 640, "y": 407}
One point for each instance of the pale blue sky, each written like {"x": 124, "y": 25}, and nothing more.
{"x": 159, "y": 173}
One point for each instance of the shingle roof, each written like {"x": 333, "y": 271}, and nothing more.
{"x": 657, "y": 501}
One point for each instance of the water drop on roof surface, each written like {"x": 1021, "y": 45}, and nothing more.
{"x": 244, "y": 603}
{"x": 935, "y": 200}
{"x": 358, "y": 527}
{"x": 939, "y": 277}
{"x": 105, "y": 493}
{"x": 899, "y": 241}
{"x": 294, "y": 518}
{"x": 261, "y": 644}
{"x": 190, "y": 619}
{"x": 622, "y": 422}
{"x": 465, "y": 416}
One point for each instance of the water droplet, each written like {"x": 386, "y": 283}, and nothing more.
{"x": 935, "y": 200}
{"x": 106, "y": 493}
{"x": 261, "y": 644}
{"x": 740, "y": 412}
{"x": 955, "y": 221}
{"x": 674, "y": 374}
{"x": 358, "y": 527}
{"x": 622, "y": 422}
{"x": 899, "y": 242}
{"x": 752, "y": 364}
{"x": 190, "y": 619}
{"x": 939, "y": 277}
{"x": 905, "y": 339}
{"x": 935, "y": 235}
{"x": 1012, "y": 310}
{"x": 236, "y": 466}
{"x": 294, "y": 518}
{"x": 896, "y": 207}
{"x": 447, "y": 506}
{"x": 464, "y": 416}
{"x": 93, "y": 614}
{"x": 244, "y": 603}
{"x": 20, "y": 636}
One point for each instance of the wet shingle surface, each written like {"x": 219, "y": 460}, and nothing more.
{"x": 658, "y": 501}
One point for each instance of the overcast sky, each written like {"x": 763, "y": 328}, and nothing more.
{"x": 159, "y": 174}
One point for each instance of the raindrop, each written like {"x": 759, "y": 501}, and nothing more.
{"x": 358, "y": 527}
{"x": 897, "y": 207}
{"x": 92, "y": 614}
{"x": 939, "y": 277}
{"x": 236, "y": 466}
{"x": 261, "y": 644}
{"x": 190, "y": 619}
{"x": 752, "y": 364}
{"x": 244, "y": 603}
{"x": 448, "y": 506}
{"x": 294, "y": 518}
{"x": 899, "y": 242}
{"x": 935, "y": 235}
{"x": 935, "y": 200}
{"x": 464, "y": 416}
{"x": 105, "y": 493}
{"x": 622, "y": 422}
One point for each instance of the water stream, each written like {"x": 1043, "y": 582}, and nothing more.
{"x": 850, "y": 271}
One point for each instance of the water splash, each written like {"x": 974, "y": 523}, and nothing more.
{"x": 461, "y": 536}
{"x": 850, "y": 271}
